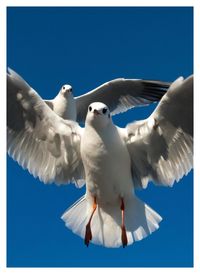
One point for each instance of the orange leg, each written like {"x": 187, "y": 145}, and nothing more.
{"x": 124, "y": 236}
{"x": 88, "y": 232}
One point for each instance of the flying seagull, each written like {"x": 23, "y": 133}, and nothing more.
{"x": 112, "y": 161}
{"x": 119, "y": 95}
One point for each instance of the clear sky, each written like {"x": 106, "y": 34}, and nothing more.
{"x": 86, "y": 47}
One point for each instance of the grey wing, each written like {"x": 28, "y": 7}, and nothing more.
{"x": 161, "y": 147}
{"x": 121, "y": 94}
{"x": 38, "y": 139}
{"x": 49, "y": 103}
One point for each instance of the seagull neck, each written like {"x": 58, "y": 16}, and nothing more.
{"x": 65, "y": 107}
{"x": 99, "y": 128}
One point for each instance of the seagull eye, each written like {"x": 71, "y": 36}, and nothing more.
{"x": 104, "y": 110}
{"x": 63, "y": 87}
{"x": 90, "y": 108}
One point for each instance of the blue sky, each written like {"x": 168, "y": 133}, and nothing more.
{"x": 86, "y": 47}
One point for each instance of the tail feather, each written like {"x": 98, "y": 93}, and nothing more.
{"x": 140, "y": 221}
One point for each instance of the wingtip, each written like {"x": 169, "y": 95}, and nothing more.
{"x": 11, "y": 72}
{"x": 176, "y": 83}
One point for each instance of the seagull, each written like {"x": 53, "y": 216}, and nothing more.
{"x": 118, "y": 94}
{"x": 113, "y": 162}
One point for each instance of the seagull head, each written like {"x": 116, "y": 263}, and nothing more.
{"x": 66, "y": 91}
{"x": 64, "y": 103}
{"x": 98, "y": 115}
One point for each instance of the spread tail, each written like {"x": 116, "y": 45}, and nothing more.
{"x": 140, "y": 221}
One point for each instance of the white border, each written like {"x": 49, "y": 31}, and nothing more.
{"x": 98, "y": 3}
{"x": 3, "y": 136}
{"x": 3, "y": 5}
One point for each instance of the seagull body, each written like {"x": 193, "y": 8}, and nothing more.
{"x": 118, "y": 94}
{"x": 112, "y": 161}
{"x": 103, "y": 152}
{"x": 108, "y": 178}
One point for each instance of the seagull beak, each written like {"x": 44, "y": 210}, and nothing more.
{"x": 96, "y": 112}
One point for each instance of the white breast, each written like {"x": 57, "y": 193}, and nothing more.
{"x": 65, "y": 107}
{"x": 107, "y": 164}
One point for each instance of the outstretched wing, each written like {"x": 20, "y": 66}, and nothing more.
{"x": 38, "y": 139}
{"x": 161, "y": 147}
{"x": 121, "y": 94}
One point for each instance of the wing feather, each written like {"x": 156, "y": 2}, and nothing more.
{"x": 38, "y": 139}
{"x": 161, "y": 147}
{"x": 121, "y": 94}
